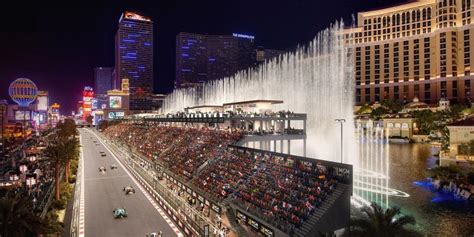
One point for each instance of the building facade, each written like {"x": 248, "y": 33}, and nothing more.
{"x": 460, "y": 133}
{"x": 134, "y": 57}
{"x": 201, "y": 58}
{"x": 191, "y": 59}
{"x": 420, "y": 49}
{"x": 103, "y": 80}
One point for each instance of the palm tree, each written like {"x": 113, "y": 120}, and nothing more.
{"x": 381, "y": 223}
{"x": 56, "y": 154}
{"x": 71, "y": 152}
{"x": 66, "y": 129}
{"x": 17, "y": 218}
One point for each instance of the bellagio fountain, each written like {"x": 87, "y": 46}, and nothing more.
{"x": 316, "y": 79}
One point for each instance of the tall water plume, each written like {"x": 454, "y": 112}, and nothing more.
{"x": 318, "y": 80}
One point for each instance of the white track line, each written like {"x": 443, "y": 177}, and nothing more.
{"x": 81, "y": 202}
{"x": 148, "y": 196}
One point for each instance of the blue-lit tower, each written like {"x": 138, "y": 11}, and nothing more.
{"x": 134, "y": 58}
{"x": 191, "y": 59}
{"x": 201, "y": 58}
{"x": 103, "y": 80}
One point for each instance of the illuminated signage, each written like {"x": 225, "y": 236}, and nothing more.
{"x": 135, "y": 16}
{"x": 116, "y": 115}
{"x": 42, "y": 102}
{"x": 22, "y": 115}
{"x": 94, "y": 103}
{"x": 55, "y": 106}
{"x": 115, "y": 102}
{"x": 243, "y": 36}
{"x": 40, "y": 117}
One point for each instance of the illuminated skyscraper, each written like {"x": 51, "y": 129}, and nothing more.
{"x": 134, "y": 57}
{"x": 102, "y": 80}
{"x": 191, "y": 59}
{"x": 201, "y": 58}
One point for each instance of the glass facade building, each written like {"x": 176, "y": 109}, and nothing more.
{"x": 201, "y": 58}
{"x": 103, "y": 80}
{"x": 134, "y": 57}
{"x": 191, "y": 59}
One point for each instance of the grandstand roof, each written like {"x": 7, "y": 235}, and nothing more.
{"x": 255, "y": 101}
{"x": 205, "y": 106}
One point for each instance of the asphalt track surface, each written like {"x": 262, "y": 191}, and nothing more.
{"x": 104, "y": 192}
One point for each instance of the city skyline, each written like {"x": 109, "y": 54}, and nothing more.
{"x": 37, "y": 45}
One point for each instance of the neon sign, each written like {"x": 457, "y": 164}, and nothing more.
{"x": 243, "y": 36}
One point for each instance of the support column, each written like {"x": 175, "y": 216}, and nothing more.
{"x": 304, "y": 126}
{"x": 289, "y": 146}
{"x": 304, "y": 147}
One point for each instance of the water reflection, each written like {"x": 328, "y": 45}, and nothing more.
{"x": 408, "y": 164}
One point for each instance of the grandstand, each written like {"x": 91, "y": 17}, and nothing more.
{"x": 258, "y": 191}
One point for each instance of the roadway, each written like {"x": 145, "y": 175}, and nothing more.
{"x": 104, "y": 191}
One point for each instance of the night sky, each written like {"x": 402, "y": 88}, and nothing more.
{"x": 57, "y": 46}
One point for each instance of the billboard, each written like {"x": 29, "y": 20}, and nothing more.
{"x": 94, "y": 104}
{"x": 22, "y": 115}
{"x": 115, "y": 102}
{"x": 42, "y": 102}
{"x": 40, "y": 117}
{"x": 116, "y": 115}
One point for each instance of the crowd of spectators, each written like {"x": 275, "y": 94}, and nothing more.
{"x": 284, "y": 191}
{"x": 182, "y": 149}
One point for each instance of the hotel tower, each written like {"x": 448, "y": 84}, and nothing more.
{"x": 419, "y": 49}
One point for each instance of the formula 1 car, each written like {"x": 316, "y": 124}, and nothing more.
{"x": 113, "y": 167}
{"x": 102, "y": 169}
{"x": 154, "y": 234}
{"x": 119, "y": 213}
{"x": 129, "y": 190}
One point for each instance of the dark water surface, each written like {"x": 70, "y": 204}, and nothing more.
{"x": 436, "y": 215}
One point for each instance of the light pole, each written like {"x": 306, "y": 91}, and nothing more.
{"x": 341, "y": 121}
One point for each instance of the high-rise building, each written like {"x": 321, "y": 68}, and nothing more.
{"x": 134, "y": 57}
{"x": 222, "y": 56}
{"x": 191, "y": 59}
{"x": 419, "y": 49}
{"x": 103, "y": 80}
{"x": 201, "y": 58}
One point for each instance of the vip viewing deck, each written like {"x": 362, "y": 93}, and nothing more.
{"x": 257, "y": 191}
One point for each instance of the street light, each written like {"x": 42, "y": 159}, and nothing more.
{"x": 30, "y": 181}
{"x": 23, "y": 168}
{"x": 341, "y": 121}
{"x": 32, "y": 158}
